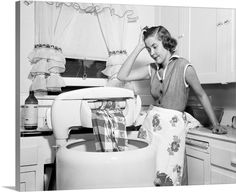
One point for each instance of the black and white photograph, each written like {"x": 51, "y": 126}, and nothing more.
{"x": 115, "y": 95}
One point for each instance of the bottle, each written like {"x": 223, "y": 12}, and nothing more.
{"x": 31, "y": 112}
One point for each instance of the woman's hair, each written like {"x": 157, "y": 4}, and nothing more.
{"x": 163, "y": 35}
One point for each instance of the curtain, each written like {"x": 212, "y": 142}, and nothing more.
{"x": 114, "y": 29}
{"x": 68, "y": 29}
{"x": 52, "y": 22}
{"x": 85, "y": 40}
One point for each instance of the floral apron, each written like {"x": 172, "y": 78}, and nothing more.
{"x": 166, "y": 129}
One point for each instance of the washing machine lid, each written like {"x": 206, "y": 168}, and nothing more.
{"x": 101, "y": 93}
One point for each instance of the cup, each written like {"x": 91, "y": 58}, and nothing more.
{"x": 234, "y": 122}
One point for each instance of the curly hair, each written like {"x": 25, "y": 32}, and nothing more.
{"x": 163, "y": 35}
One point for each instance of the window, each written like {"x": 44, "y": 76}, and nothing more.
{"x": 84, "y": 68}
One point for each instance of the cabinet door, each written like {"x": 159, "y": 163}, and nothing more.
{"x": 210, "y": 43}
{"x": 198, "y": 164}
{"x": 226, "y": 44}
{"x": 169, "y": 18}
{"x": 176, "y": 20}
{"x": 27, "y": 181}
{"x": 203, "y": 43}
{"x": 223, "y": 162}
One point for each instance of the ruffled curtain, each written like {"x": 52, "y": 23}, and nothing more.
{"x": 52, "y": 22}
{"x": 114, "y": 28}
{"x": 55, "y": 33}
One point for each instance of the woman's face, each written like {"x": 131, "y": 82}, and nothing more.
{"x": 156, "y": 50}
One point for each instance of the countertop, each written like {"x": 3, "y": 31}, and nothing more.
{"x": 200, "y": 131}
{"x": 206, "y": 132}
{"x": 45, "y": 131}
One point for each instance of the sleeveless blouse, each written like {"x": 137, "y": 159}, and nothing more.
{"x": 170, "y": 91}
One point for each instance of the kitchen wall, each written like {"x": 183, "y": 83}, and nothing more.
{"x": 223, "y": 95}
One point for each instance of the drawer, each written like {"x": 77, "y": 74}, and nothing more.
{"x": 222, "y": 176}
{"x": 224, "y": 157}
{"x": 29, "y": 156}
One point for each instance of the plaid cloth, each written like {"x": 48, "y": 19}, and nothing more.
{"x": 109, "y": 128}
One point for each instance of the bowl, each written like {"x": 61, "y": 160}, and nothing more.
{"x": 199, "y": 113}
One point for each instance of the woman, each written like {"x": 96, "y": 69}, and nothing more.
{"x": 170, "y": 78}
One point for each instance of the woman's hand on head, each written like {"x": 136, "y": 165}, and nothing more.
{"x": 141, "y": 43}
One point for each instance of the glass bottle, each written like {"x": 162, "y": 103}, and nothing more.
{"x": 31, "y": 112}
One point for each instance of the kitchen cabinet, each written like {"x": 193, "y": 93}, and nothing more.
{"x": 198, "y": 161}
{"x": 197, "y": 168}
{"x": 169, "y": 17}
{"x": 223, "y": 162}
{"x": 35, "y": 152}
{"x": 210, "y": 43}
{"x": 27, "y": 181}
{"x": 206, "y": 37}
{"x": 215, "y": 164}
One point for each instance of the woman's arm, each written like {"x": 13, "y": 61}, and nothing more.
{"x": 126, "y": 72}
{"x": 193, "y": 81}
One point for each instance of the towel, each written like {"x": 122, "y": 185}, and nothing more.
{"x": 109, "y": 127}
{"x": 166, "y": 129}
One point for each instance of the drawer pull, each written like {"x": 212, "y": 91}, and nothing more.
{"x": 197, "y": 144}
{"x": 226, "y": 21}
{"x": 219, "y": 24}
{"x": 233, "y": 162}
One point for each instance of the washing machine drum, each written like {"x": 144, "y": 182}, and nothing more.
{"x": 79, "y": 166}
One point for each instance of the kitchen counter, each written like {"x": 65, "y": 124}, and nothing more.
{"x": 45, "y": 131}
{"x": 205, "y": 132}
{"x": 200, "y": 131}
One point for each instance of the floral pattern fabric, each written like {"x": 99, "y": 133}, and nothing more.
{"x": 166, "y": 129}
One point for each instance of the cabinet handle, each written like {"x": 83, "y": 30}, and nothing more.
{"x": 197, "y": 144}
{"x": 233, "y": 162}
{"x": 219, "y": 24}
{"x": 223, "y": 23}
{"x": 226, "y": 21}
